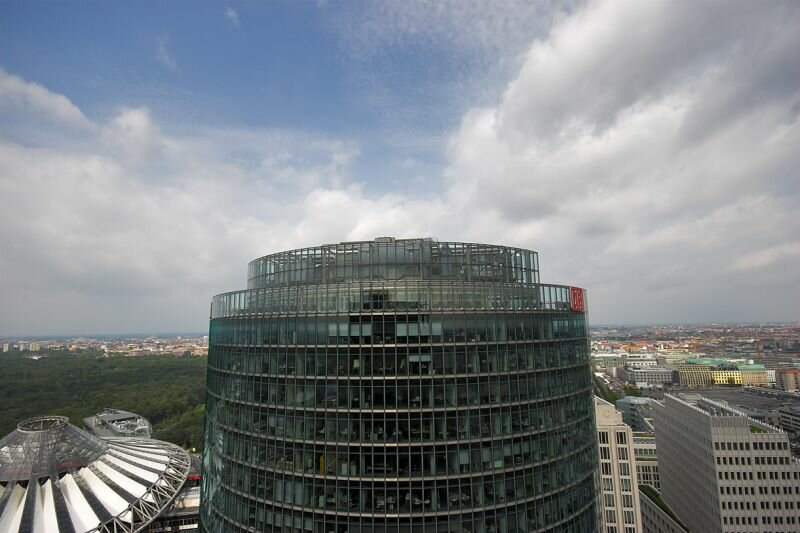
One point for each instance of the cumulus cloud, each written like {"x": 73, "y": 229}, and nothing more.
{"x": 647, "y": 147}
{"x": 17, "y": 94}
{"x": 133, "y": 133}
{"x": 134, "y": 229}
{"x": 614, "y": 57}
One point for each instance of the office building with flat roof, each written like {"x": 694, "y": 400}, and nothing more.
{"x": 619, "y": 496}
{"x": 654, "y": 376}
{"x": 636, "y": 412}
{"x": 722, "y": 471}
{"x": 398, "y": 386}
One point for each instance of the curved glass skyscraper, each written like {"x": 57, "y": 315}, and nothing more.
{"x": 399, "y": 386}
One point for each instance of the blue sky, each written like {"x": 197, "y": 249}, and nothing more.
{"x": 280, "y": 61}
{"x": 149, "y": 150}
{"x": 277, "y": 65}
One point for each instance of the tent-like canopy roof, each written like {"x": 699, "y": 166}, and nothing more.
{"x": 57, "y": 478}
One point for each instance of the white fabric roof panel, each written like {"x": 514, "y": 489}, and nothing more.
{"x": 12, "y": 514}
{"x": 80, "y": 512}
{"x": 135, "y": 459}
{"x": 147, "y": 451}
{"x": 46, "y": 521}
{"x": 133, "y": 469}
{"x": 120, "y": 479}
{"x": 113, "y": 502}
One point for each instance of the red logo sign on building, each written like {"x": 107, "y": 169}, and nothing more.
{"x": 576, "y": 299}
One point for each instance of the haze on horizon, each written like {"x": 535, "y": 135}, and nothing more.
{"x": 647, "y": 150}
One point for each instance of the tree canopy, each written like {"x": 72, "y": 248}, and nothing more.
{"x": 168, "y": 390}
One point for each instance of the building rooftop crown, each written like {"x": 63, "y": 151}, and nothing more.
{"x": 389, "y": 258}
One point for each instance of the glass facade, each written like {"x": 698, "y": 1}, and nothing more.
{"x": 399, "y": 386}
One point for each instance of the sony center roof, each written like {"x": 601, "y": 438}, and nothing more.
{"x": 56, "y": 478}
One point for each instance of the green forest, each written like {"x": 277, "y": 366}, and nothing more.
{"x": 168, "y": 390}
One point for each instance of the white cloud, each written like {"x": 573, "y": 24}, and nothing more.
{"x": 134, "y": 228}
{"x": 134, "y": 134}
{"x": 766, "y": 257}
{"x": 17, "y": 94}
{"x": 659, "y": 169}
{"x": 232, "y": 15}
{"x": 163, "y": 55}
{"x": 643, "y": 147}
{"x": 611, "y": 57}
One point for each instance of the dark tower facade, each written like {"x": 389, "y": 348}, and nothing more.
{"x": 399, "y": 386}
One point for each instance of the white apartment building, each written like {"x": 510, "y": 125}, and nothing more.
{"x": 641, "y": 363}
{"x": 619, "y": 492}
{"x": 724, "y": 472}
{"x": 651, "y": 376}
{"x": 772, "y": 379}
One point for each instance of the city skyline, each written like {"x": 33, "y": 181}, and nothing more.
{"x": 144, "y": 153}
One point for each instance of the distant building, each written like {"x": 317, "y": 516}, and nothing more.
{"x": 116, "y": 423}
{"x": 6, "y": 347}
{"x": 771, "y": 377}
{"x": 788, "y": 379}
{"x": 702, "y": 372}
{"x": 672, "y": 357}
{"x": 641, "y": 362}
{"x": 722, "y": 471}
{"x": 619, "y": 491}
{"x": 653, "y": 376}
{"x": 753, "y": 375}
{"x": 694, "y": 375}
{"x": 607, "y": 361}
{"x": 636, "y": 412}
{"x": 726, "y": 376}
{"x": 747, "y": 375}
{"x": 790, "y": 419}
